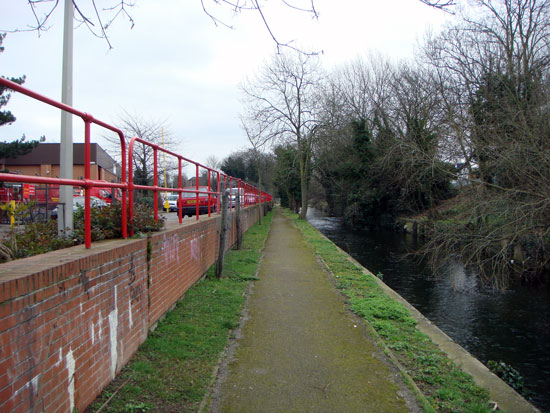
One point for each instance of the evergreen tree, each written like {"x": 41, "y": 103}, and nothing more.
{"x": 17, "y": 148}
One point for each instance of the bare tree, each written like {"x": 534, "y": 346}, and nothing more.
{"x": 493, "y": 71}
{"x": 258, "y": 136}
{"x": 213, "y": 162}
{"x": 153, "y": 131}
{"x": 284, "y": 99}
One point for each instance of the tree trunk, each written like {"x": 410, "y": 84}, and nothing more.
{"x": 304, "y": 191}
{"x": 223, "y": 235}
{"x": 304, "y": 172}
{"x": 238, "y": 221}
{"x": 260, "y": 189}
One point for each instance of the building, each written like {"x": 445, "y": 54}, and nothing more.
{"x": 43, "y": 160}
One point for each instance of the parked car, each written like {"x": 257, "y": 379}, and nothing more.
{"x": 79, "y": 201}
{"x": 189, "y": 201}
{"x": 172, "y": 202}
{"x": 233, "y": 200}
{"x": 104, "y": 193}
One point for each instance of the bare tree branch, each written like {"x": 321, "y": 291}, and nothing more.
{"x": 94, "y": 24}
{"x": 444, "y": 5}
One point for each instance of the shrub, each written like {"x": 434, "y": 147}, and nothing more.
{"x": 38, "y": 238}
{"x": 507, "y": 373}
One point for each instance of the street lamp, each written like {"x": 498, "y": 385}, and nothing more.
{"x": 66, "y": 136}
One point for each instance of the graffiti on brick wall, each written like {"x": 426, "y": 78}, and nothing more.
{"x": 39, "y": 342}
{"x": 170, "y": 250}
{"x": 196, "y": 250}
{"x": 135, "y": 287}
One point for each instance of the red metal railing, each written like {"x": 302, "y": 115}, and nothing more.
{"x": 86, "y": 182}
{"x": 251, "y": 194}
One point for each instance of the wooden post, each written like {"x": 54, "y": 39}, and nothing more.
{"x": 223, "y": 235}
{"x": 238, "y": 222}
{"x": 260, "y": 209}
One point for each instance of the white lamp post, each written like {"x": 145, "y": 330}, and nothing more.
{"x": 65, "y": 219}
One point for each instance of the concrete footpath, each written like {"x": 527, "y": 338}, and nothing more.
{"x": 299, "y": 349}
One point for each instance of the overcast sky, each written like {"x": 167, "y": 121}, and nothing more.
{"x": 176, "y": 66}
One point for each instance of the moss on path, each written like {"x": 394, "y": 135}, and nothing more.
{"x": 300, "y": 349}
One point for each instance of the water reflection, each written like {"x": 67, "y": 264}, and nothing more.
{"x": 513, "y": 326}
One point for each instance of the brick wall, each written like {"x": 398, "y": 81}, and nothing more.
{"x": 70, "y": 319}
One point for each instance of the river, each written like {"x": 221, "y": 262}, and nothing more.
{"x": 513, "y": 327}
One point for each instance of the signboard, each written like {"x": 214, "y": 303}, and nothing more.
{"x": 28, "y": 191}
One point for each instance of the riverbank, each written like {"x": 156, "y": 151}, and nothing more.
{"x": 502, "y": 240}
{"x": 446, "y": 386}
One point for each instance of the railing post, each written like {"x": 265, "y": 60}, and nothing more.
{"x": 223, "y": 235}
{"x": 131, "y": 184}
{"x": 124, "y": 203}
{"x": 238, "y": 226}
{"x": 218, "y": 194}
{"x": 180, "y": 200}
{"x": 209, "y": 191}
{"x": 197, "y": 189}
{"x": 155, "y": 183}
{"x": 87, "y": 204}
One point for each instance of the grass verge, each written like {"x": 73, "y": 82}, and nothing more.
{"x": 445, "y": 387}
{"x": 172, "y": 370}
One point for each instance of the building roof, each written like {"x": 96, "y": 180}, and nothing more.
{"x": 48, "y": 154}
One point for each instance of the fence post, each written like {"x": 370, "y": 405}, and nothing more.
{"x": 223, "y": 235}
{"x": 238, "y": 218}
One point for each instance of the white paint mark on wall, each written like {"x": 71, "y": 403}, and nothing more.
{"x": 100, "y": 326}
{"x": 70, "y": 371}
{"x": 130, "y": 312}
{"x": 34, "y": 385}
{"x": 113, "y": 330}
{"x": 59, "y": 358}
{"x": 92, "y": 332}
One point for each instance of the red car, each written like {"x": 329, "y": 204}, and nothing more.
{"x": 189, "y": 201}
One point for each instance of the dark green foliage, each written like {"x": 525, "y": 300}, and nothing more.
{"x": 146, "y": 200}
{"x": 350, "y": 175}
{"x": 508, "y": 374}
{"x": 41, "y": 237}
{"x": 107, "y": 222}
{"x": 16, "y": 148}
{"x": 243, "y": 165}
{"x": 287, "y": 176}
{"x": 370, "y": 175}
{"x": 235, "y": 165}
{"x": 143, "y": 220}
